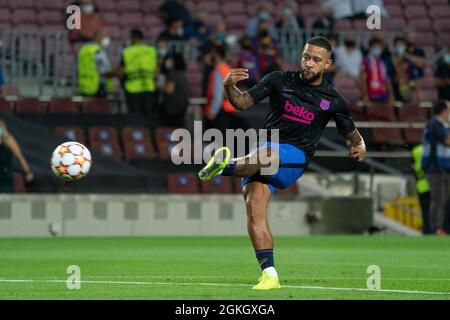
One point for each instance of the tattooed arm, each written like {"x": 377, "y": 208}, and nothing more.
{"x": 357, "y": 147}
{"x": 240, "y": 100}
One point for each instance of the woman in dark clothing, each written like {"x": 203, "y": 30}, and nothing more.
{"x": 8, "y": 149}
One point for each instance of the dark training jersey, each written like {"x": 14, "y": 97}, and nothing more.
{"x": 301, "y": 111}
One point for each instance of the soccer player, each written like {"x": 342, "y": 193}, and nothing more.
{"x": 301, "y": 104}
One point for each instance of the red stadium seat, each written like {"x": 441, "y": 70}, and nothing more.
{"x": 394, "y": 10}
{"x": 109, "y": 149}
{"x": 163, "y": 134}
{"x": 130, "y": 20}
{"x": 440, "y": 12}
{"x": 195, "y": 78}
{"x": 150, "y": 6}
{"x": 27, "y": 4}
{"x": 62, "y": 105}
{"x": 311, "y": 10}
{"x": 392, "y": 24}
{"x": 422, "y": 24}
{"x": 110, "y": 18}
{"x": 71, "y": 133}
{"x": 19, "y": 183}
{"x": 236, "y": 182}
{"x": 50, "y": 5}
{"x": 218, "y": 184}
{"x": 432, "y": 3}
{"x": 236, "y": 21}
{"x": 166, "y": 149}
{"x": 386, "y": 136}
{"x": 212, "y": 19}
{"x": 425, "y": 39}
{"x": 23, "y": 17}
{"x": 138, "y": 151}
{"x": 212, "y": 6}
{"x": 5, "y": 16}
{"x": 103, "y": 134}
{"x": 430, "y": 94}
{"x": 413, "y": 114}
{"x": 105, "y": 5}
{"x": 128, "y": 6}
{"x": 182, "y": 183}
{"x": 233, "y": 8}
{"x": 410, "y": 2}
{"x": 195, "y": 91}
{"x": 415, "y": 11}
{"x": 95, "y": 105}
{"x": 442, "y": 39}
{"x": 135, "y": 134}
{"x": 6, "y": 106}
{"x": 343, "y": 25}
{"x": 441, "y": 25}
{"x": 30, "y": 106}
{"x": 46, "y": 18}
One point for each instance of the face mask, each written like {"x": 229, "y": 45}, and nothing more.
{"x": 287, "y": 12}
{"x": 162, "y": 52}
{"x": 88, "y": 8}
{"x": 169, "y": 64}
{"x": 263, "y": 16}
{"x": 376, "y": 52}
{"x": 400, "y": 50}
{"x": 447, "y": 58}
{"x": 106, "y": 41}
{"x": 180, "y": 31}
{"x": 220, "y": 36}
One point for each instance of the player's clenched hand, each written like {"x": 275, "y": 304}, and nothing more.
{"x": 234, "y": 76}
{"x": 357, "y": 151}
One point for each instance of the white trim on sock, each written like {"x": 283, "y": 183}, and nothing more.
{"x": 271, "y": 271}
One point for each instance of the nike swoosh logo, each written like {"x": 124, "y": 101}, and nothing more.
{"x": 262, "y": 261}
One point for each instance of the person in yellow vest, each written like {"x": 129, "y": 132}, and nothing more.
{"x": 138, "y": 70}
{"x": 218, "y": 110}
{"x": 422, "y": 188}
{"x": 94, "y": 68}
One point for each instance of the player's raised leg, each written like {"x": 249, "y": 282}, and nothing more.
{"x": 257, "y": 196}
{"x": 252, "y": 163}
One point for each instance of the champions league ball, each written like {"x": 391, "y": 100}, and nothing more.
{"x": 71, "y": 161}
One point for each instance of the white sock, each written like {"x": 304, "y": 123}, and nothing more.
{"x": 271, "y": 271}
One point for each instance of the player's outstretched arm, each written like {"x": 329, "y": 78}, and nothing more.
{"x": 357, "y": 147}
{"x": 240, "y": 100}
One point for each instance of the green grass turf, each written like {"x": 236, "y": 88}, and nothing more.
{"x": 407, "y": 263}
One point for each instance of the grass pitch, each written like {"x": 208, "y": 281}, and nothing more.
{"x": 317, "y": 267}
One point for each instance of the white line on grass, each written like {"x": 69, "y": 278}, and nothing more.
{"x": 224, "y": 285}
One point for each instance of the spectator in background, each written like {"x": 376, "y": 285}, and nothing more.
{"x": 442, "y": 75}
{"x": 248, "y": 60}
{"x": 403, "y": 82}
{"x": 94, "y": 68}
{"x": 91, "y": 23}
{"x": 325, "y": 22}
{"x": 418, "y": 61}
{"x": 201, "y": 31}
{"x": 266, "y": 51}
{"x": 138, "y": 68}
{"x": 174, "y": 30}
{"x": 349, "y": 58}
{"x": 216, "y": 38}
{"x": 217, "y": 110}
{"x": 9, "y": 148}
{"x": 262, "y": 14}
{"x": 174, "y": 8}
{"x": 290, "y": 19}
{"x": 375, "y": 83}
{"x": 175, "y": 91}
{"x": 436, "y": 164}
{"x": 331, "y": 72}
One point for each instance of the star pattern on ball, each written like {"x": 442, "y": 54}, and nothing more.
{"x": 62, "y": 169}
{"x": 80, "y": 160}
{"x": 63, "y": 150}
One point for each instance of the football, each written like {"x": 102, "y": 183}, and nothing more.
{"x": 71, "y": 161}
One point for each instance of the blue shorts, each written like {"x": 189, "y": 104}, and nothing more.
{"x": 292, "y": 164}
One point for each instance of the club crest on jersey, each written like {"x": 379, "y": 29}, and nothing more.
{"x": 297, "y": 113}
{"x": 325, "y": 104}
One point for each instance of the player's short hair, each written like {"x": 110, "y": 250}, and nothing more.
{"x": 137, "y": 34}
{"x": 322, "y": 42}
{"x": 400, "y": 39}
{"x": 440, "y": 106}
